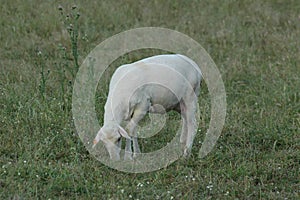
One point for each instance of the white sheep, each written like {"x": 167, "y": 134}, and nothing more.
{"x": 155, "y": 84}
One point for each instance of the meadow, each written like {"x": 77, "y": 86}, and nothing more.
{"x": 255, "y": 45}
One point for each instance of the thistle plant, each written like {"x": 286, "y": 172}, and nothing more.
{"x": 40, "y": 62}
{"x": 70, "y": 21}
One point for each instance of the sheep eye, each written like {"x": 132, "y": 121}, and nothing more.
{"x": 119, "y": 139}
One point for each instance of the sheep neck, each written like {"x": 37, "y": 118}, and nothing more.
{"x": 113, "y": 113}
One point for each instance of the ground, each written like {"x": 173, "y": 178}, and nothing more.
{"x": 255, "y": 45}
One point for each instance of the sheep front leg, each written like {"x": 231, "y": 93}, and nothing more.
{"x": 128, "y": 150}
{"x": 136, "y": 149}
{"x": 131, "y": 127}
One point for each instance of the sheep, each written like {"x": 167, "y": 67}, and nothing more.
{"x": 156, "y": 84}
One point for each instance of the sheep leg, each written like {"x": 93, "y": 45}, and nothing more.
{"x": 136, "y": 148}
{"x": 184, "y": 131}
{"x": 138, "y": 114}
{"x": 191, "y": 107}
{"x": 128, "y": 150}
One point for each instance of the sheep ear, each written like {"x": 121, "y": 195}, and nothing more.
{"x": 123, "y": 133}
{"x": 97, "y": 138}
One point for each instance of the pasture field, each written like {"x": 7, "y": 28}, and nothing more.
{"x": 255, "y": 45}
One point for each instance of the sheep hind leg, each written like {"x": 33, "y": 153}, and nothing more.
{"x": 184, "y": 130}
{"x": 191, "y": 107}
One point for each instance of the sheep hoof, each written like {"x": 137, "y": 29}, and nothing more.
{"x": 186, "y": 152}
{"x": 135, "y": 155}
{"x": 128, "y": 156}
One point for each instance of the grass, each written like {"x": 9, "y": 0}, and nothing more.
{"x": 255, "y": 45}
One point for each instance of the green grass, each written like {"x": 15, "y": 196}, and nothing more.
{"x": 255, "y": 45}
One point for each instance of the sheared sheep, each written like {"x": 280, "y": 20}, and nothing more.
{"x": 156, "y": 84}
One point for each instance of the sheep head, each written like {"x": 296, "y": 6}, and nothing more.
{"x": 111, "y": 136}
